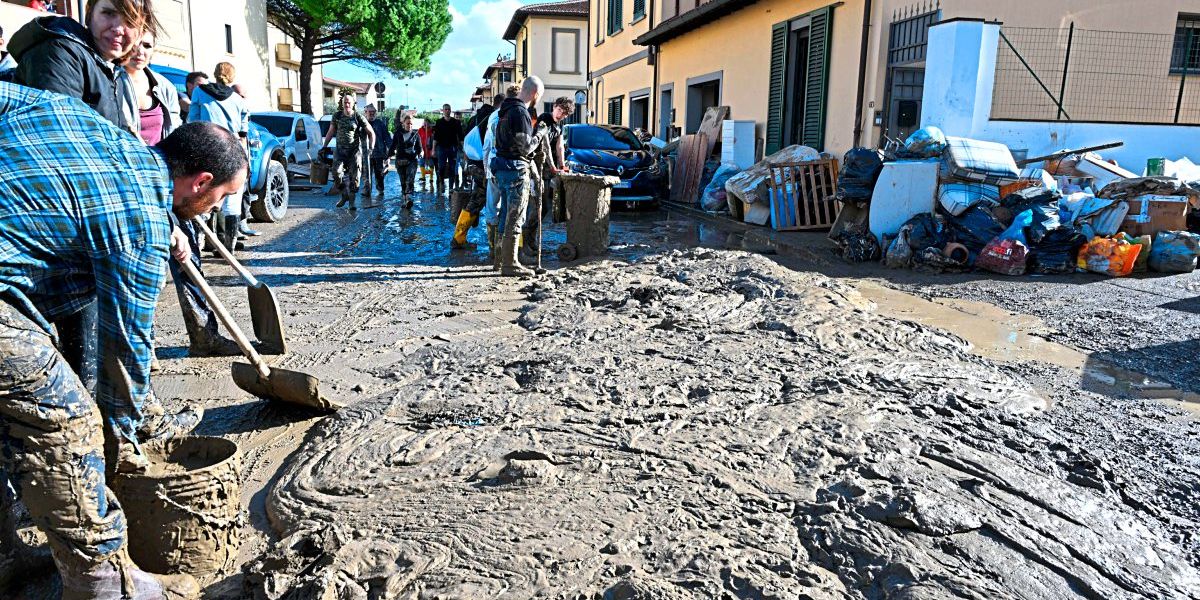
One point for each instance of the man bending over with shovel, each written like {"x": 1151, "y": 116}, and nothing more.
{"x": 86, "y": 212}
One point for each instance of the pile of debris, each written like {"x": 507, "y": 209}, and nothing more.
{"x": 953, "y": 204}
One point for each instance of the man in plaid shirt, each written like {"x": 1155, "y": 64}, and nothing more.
{"x": 86, "y": 212}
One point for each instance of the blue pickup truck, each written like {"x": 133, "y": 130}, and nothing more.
{"x": 268, "y": 162}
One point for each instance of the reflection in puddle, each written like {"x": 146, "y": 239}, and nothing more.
{"x": 1000, "y": 335}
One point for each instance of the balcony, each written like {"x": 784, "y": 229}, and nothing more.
{"x": 283, "y": 56}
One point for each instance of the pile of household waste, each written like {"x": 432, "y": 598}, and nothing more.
{"x": 943, "y": 204}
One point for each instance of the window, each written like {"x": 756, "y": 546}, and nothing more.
{"x": 639, "y": 10}
{"x": 564, "y": 50}
{"x": 614, "y": 16}
{"x": 301, "y": 134}
{"x": 614, "y": 110}
{"x": 1186, "y": 51}
{"x": 525, "y": 56}
{"x": 229, "y": 39}
{"x": 799, "y": 81}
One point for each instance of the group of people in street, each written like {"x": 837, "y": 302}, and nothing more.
{"x": 103, "y": 168}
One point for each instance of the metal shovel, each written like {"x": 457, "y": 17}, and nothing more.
{"x": 264, "y": 309}
{"x": 257, "y": 378}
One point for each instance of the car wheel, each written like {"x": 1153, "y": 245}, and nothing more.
{"x": 272, "y": 203}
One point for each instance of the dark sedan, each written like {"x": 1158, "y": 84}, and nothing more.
{"x": 614, "y": 150}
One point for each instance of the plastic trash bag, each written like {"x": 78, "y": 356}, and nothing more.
{"x": 975, "y": 228}
{"x": 1109, "y": 256}
{"x": 1174, "y": 252}
{"x": 958, "y": 197}
{"x": 1056, "y": 253}
{"x": 926, "y": 142}
{"x": 473, "y": 145}
{"x": 899, "y": 253}
{"x": 1016, "y": 231}
{"x": 714, "y": 197}
{"x": 1005, "y": 256}
{"x": 857, "y": 245}
{"x": 860, "y": 169}
{"x": 1143, "y": 259}
{"x": 926, "y": 231}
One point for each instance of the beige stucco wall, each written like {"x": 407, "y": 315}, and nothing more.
{"x": 284, "y": 74}
{"x": 607, "y": 50}
{"x": 251, "y": 54}
{"x": 539, "y": 32}
{"x": 744, "y": 86}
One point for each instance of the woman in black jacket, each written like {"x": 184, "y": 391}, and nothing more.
{"x": 406, "y": 146}
{"x": 58, "y": 54}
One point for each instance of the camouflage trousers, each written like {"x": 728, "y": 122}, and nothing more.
{"x": 52, "y": 448}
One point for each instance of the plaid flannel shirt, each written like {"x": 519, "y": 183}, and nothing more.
{"x": 84, "y": 211}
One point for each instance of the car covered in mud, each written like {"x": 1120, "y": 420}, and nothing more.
{"x": 616, "y": 151}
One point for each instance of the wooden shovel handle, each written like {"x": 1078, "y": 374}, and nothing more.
{"x": 226, "y": 319}
{"x": 224, "y": 252}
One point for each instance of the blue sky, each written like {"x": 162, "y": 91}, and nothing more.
{"x": 458, "y": 66}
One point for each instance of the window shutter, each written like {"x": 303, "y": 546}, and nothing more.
{"x": 614, "y": 16}
{"x": 819, "y": 30}
{"x": 639, "y": 9}
{"x": 778, "y": 75}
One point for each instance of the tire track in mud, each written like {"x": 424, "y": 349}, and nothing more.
{"x": 708, "y": 424}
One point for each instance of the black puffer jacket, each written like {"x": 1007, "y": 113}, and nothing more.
{"x": 515, "y": 141}
{"x": 55, "y": 54}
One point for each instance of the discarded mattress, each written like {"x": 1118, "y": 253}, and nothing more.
{"x": 978, "y": 161}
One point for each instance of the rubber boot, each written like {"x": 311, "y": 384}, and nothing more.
{"x": 244, "y": 229}
{"x": 158, "y": 424}
{"x": 493, "y": 246}
{"x": 509, "y": 267}
{"x": 459, "y": 241}
{"x": 229, "y": 231}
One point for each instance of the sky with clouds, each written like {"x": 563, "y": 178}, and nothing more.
{"x": 457, "y": 67}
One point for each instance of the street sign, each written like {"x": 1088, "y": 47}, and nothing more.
{"x": 379, "y": 87}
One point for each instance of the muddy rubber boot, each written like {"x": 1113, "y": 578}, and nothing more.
{"x": 229, "y": 232}
{"x": 509, "y": 267}
{"x": 18, "y": 559}
{"x": 105, "y": 581}
{"x": 493, "y": 246}
{"x": 459, "y": 241}
{"x": 244, "y": 229}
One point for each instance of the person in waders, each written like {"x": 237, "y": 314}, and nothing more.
{"x": 515, "y": 146}
{"x": 88, "y": 218}
{"x": 349, "y": 126}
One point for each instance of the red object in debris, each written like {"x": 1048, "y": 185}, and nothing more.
{"x": 1003, "y": 256}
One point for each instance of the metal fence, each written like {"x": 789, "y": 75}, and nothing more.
{"x": 1071, "y": 74}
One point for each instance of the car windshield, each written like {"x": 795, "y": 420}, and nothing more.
{"x": 324, "y": 125}
{"x": 600, "y": 138}
{"x": 278, "y": 126}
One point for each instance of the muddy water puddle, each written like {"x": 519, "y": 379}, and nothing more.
{"x": 997, "y": 334}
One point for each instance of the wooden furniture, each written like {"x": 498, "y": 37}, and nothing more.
{"x": 802, "y": 195}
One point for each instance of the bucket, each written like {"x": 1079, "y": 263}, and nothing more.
{"x": 184, "y": 514}
{"x": 318, "y": 173}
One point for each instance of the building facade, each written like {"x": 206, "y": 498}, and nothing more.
{"x": 550, "y": 41}
{"x": 285, "y": 74}
{"x": 834, "y": 75}
{"x": 620, "y": 72}
{"x": 496, "y": 77}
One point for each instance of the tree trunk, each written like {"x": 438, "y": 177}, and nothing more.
{"x": 308, "y": 49}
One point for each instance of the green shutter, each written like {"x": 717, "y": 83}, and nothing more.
{"x": 614, "y": 16}
{"x": 819, "y": 34}
{"x": 775, "y": 93}
{"x": 639, "y": 9}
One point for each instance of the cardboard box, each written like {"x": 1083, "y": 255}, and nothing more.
{"x": 1151, "y": 214}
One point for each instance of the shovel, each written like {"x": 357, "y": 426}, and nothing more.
{"x": 257, "y": 378}
{"x": 264, "y": 309}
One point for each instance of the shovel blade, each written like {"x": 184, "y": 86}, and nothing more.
{"x": 268, "y": 324}
{"x": 283, "y": 385}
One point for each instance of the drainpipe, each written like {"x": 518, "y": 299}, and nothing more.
{"x": 862, "y": 72}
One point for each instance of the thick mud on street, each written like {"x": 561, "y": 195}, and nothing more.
{"x": 707, "y": 424}
{"x": 699, "y": 415}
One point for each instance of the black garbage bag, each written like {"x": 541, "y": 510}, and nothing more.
{"x": 1023, "y": 200}
{"x": 1045, "y": 220}
{"x": 927, "y": 230}
{"x": 860, "y": 169}
{"x": 1056, "y": 252}
{"x": 857, "y": 245}
{"x": 974, "y": 228}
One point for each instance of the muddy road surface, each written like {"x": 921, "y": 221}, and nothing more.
{"x": 686, "y": 419}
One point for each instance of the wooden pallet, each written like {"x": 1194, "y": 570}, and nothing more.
{"x": 802, "y": 195}
{"x": 689, "y": 169}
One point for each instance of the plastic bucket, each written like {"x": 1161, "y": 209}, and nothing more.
{"x": 184, "y": 513}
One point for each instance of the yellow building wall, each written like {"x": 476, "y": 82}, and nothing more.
{"x": 608, "y": 50}
{"x": 739, "y": 45}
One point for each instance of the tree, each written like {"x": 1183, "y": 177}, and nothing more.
{"x": 398, "y": 36}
